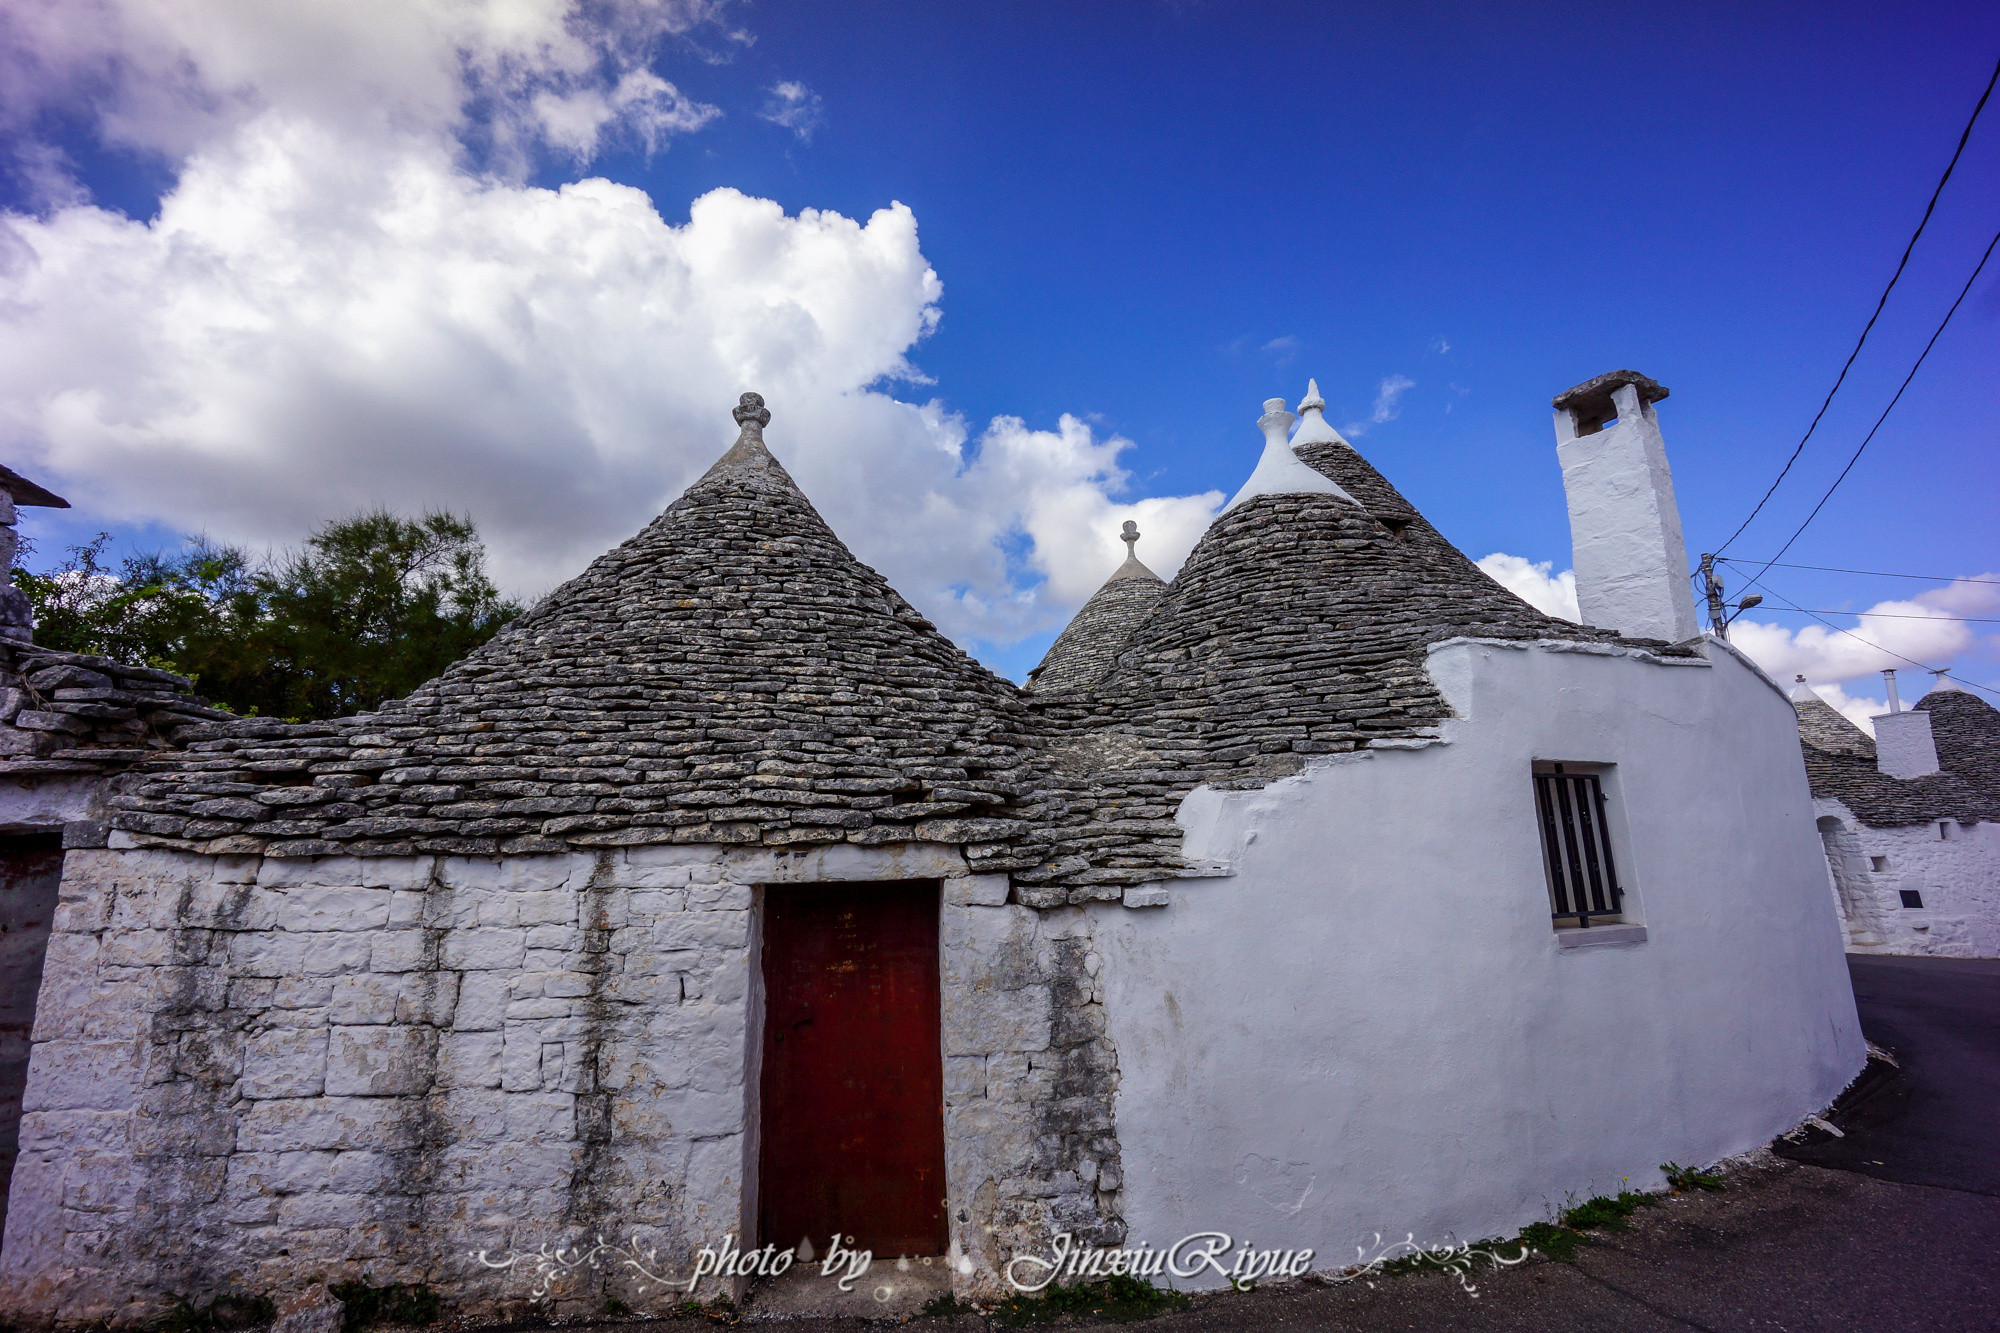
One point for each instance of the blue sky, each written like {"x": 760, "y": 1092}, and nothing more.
{"x": 1152, "y": 217}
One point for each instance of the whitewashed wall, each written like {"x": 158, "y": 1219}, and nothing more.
{"x": 252, "y": 1073}
{"x": 1955, "y": 871}
{"x": 1372, "y": 1027}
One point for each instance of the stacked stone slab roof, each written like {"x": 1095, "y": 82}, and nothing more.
{"x": 1824, "y": 727}
{"x": 1084, "y": 653}
{"x": 732, "y": 674}
{"x": 1840, "y": 764}
{"x": 1298, "y": 627}
{"x": 75, "y": 713}
{"x": 1967, "y": 731}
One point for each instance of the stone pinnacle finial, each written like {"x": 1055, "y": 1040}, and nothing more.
{"x": 1312, "y": 398}
{"x": 1130, "y": 537}
{"x": 751, "y": 408}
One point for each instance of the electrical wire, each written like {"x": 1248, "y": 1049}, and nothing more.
{"x": 1892, "y": 615}
{"x": 1963, "y": 137}
{"x": 1878, "y": 573}
{"x": 1870, "y": 643}
{"x": 1963, "y": 292}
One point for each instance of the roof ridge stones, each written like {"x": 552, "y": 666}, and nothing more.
{"x": 731, "y": 674}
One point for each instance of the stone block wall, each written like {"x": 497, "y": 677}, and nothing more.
{"x": 1030, "y": 1078}
{"x": 255, "y": 1074}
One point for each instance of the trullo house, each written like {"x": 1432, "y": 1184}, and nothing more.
{"x": 1326, "y": 889}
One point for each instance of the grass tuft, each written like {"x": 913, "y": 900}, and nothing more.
{"x": 1121, "y": 1299}
{"x": 227, "y": 1311}
{"x": 1607, "y": 1211}
{"x": 1686, "y": 1179}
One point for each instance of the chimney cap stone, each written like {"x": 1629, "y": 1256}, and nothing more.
{"x": 1599, "y": 389}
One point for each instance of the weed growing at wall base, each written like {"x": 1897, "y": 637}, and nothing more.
{"x": 226, "y": 1312}
{"x": 1687, "y": 1178}
{"x": 363, "y": 1305}
{"x": 1119, "y": 1298}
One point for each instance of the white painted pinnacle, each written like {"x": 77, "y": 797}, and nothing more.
{"x": 1945, "y": 684}
{"x": 1279, "y": 471}
{"x": 1802, "y": 692}
{"x": 1313, "y": 425}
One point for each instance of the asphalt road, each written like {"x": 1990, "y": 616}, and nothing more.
{"x": 1894, "y": 1227}
{"x": 1940, "y": 1124}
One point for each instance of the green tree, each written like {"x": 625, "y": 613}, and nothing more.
{"x": 371, "y": 607}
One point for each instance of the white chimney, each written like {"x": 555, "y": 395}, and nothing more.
{"x": 1624, "y": 527}
{"x": 1904, "y": 746}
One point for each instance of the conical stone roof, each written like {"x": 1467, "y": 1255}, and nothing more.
{"x": 732, "y": 674}
{"x": 1826, "y": 728}
{"x": 1840, "y": 765}
{"x": 1967, "y": 731}
{"x": 1088, "y": 647}
{"x": 1298, "y": 627}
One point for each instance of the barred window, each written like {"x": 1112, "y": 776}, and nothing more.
{"x": 1576, "y": 846}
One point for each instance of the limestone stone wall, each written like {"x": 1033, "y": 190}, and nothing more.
{"x": 1030, "y": 1081}
{"x": 253, "y": 1074}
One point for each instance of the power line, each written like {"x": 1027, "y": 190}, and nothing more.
{"x": 1891, "y": 615}
{"x": 1938, "y": 333}
{"x": 1870, "y": 643}
{"x": 1963, "y": 137}
{"x": 1878, "y": 573}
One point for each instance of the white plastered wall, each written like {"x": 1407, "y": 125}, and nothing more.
{"x": 1372, "y": 1027}
{"x": 1955, "y": 871}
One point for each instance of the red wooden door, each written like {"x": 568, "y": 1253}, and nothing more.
{"x": 853, "y": 1084}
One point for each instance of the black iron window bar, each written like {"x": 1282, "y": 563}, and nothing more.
{"x": 1576, "y": 842}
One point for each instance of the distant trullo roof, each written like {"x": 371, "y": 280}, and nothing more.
{"x": 1088, "y": 646}
{"x": 1825, "y": 727}
{"x": 732, "y": 674}
{"x": 1840, "y": 764}
{"x": 1967, "y": 731}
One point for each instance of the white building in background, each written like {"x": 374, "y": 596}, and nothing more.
{"x": 1324, "y": 891}
{"x": 1910, "y": 820}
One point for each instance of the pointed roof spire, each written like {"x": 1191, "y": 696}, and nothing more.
{"x": 748, "y": 454}
{"x": 1944, "y": 684}
{"x": 1279, "y": 471}
{"x": 1313, "y": 426}
{"x": 1133, "y": 568}
{"x": 1800, "y": 691}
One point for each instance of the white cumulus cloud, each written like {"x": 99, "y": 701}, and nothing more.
{"x": 1889, "y": 635}
{"x": 1533, "y": 583}
{"x": 335, "y": 309}
{"x": 506, "y": 75}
